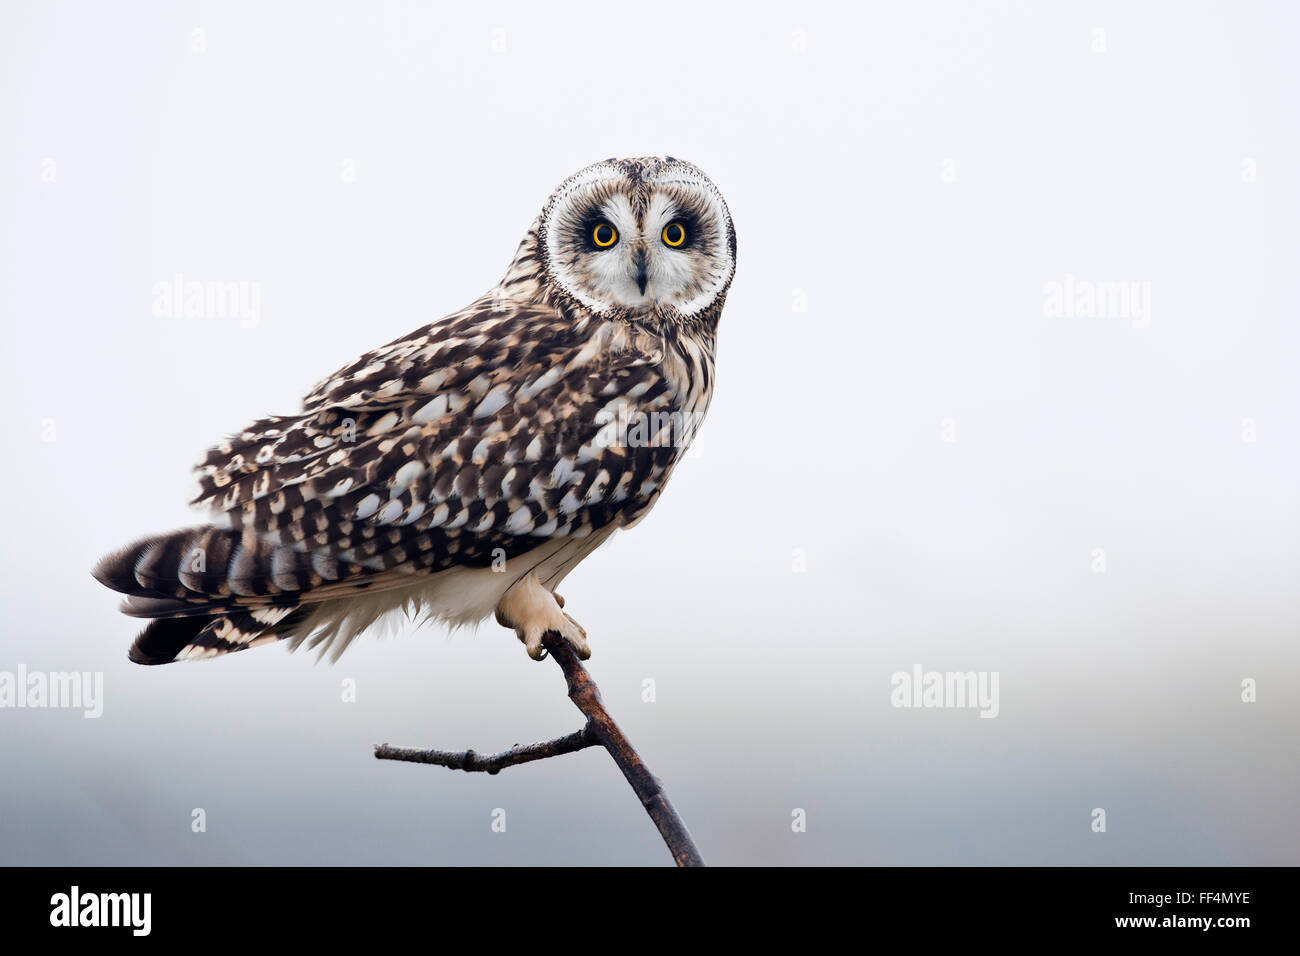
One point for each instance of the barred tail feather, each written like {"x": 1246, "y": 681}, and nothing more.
{"x": 210, "y": 591}
{"x": 213, "y": 591}
{"x": 194, "y": 567}
{"x": 194, "y": 638}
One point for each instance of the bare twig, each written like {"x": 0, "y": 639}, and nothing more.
{"x": 470, "y": 761}
{"x": 586, "y": 697}
{"x": 599, "y": 730}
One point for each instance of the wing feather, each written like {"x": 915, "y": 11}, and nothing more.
{"x": 473, "y": 438}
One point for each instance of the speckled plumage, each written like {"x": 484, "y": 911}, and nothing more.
{"x": 494, "y": 448}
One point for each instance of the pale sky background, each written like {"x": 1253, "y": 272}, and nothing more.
{"x": 913, "y": 176}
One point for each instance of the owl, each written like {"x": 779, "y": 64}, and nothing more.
{"x": 465, "y": 469}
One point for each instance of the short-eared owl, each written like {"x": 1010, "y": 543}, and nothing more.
{"x": 468, "y": 467}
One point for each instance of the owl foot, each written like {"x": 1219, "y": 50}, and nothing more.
{"x": 531, "y": 611}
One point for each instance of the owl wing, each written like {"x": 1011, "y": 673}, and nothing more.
{"x": 477, "y": 437}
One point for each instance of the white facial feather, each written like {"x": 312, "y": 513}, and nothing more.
{"x": 684, "y": 280}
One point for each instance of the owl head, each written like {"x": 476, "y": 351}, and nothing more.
{"x": 631, "y": 237}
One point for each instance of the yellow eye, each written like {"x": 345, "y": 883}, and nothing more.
{"x": 604, "y": 235}
{"x": 674, "y": 234}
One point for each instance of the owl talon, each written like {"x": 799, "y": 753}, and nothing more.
{"x": 532, "y": 612}
{"x": 577, "y": 636}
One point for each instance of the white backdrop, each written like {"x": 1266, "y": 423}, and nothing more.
{"x": 911, "y": 459}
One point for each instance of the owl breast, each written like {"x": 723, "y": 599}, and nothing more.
{"x": 685, "y": 363}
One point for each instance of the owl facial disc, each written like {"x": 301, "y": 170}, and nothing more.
{"x": 635, "y": 236}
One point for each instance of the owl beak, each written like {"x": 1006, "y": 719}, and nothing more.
{"x": 642, "y": 276}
